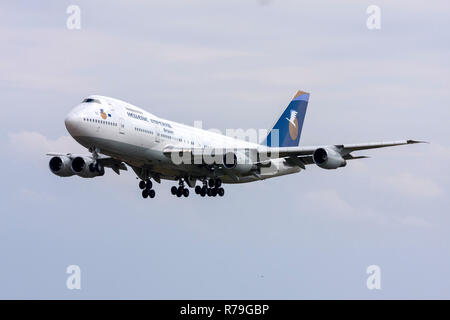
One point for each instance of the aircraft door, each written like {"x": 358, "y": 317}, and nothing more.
{"x": 157, "y": 134}
{"x": 121, "y": 126}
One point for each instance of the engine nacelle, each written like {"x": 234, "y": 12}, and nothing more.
{"x": 328, "y": 158}
{"x": 61, "y": 166}
{"x": 86, "y": 168}
{"x": 237, "y": 162}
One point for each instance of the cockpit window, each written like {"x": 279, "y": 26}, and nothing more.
{"x": 90, "y": 100}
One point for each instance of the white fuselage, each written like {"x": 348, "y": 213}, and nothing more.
{"x": 139, "y": 138}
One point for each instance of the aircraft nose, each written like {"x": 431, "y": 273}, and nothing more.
{"x": 71, "y": 123}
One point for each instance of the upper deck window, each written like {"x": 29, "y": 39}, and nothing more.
{"x": 90, "y": 100}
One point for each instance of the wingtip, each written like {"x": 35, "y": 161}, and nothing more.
{"x": 415, "y": 141}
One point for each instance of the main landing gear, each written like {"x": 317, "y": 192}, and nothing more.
{"x": 181, "y": 190}
{"x": 146, "y": 187}
{"x": 210, "y": 188}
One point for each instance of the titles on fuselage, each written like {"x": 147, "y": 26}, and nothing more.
{"x": 161, "y": 123}
{"x": 137, "y": 116}
{"x": 144, "y": 118}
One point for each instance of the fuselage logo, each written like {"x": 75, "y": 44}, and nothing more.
{"x": 293, "y": 125}
{"x": 104, "y": 115}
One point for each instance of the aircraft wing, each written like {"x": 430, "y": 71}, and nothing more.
{"x": 344, "y": 149}
{"x": 302, "y": 156}
{"x": 296, "y": 155}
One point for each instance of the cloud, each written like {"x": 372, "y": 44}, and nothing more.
{"x": 409, "y": 185}
{"x": 48, "y": 66}
{"x": 414, "y": 221}
{"x": 330, "y": 202}
{"x": 191, "y": 54}
{"x": 35, "y": 145}
{"x": 36, "y": 195}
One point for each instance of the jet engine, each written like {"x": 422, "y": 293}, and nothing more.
{"x": 237, "y": 162}
{"x": 86, "y": 167}
{"x": 61, "y": 166}
{"x": 328, "y": 158}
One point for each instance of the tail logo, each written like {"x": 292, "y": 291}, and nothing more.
{"x": 293, "y": 125}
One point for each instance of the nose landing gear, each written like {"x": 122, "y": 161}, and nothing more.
{"x": 96, "y": 166}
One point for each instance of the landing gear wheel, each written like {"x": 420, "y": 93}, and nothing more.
{"x": 91, "y": 167}
{"x": 217, "y": 183}
{"x": 144, "y": 193}
{"x": 198, "y": 189}
{"x": 208, "y": 192}
{"x": 204, "y": 190}
{"x": 211, "y": 183}
{"x": 214, "y": 192}
{"x": 149, "y": 184}
{"x": 186, "y": 193}
{"x": 174, "y": 190}
{"x": 151, "y": 193}
{"x": 220, "y": 192}
{"x": 202, "y": 193}
{"x": 142, "y": 185}
{"x": 179, "y": 192}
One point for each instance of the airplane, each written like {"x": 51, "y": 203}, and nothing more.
{"x": 119, "y": 135}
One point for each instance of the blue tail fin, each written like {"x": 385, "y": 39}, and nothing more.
{"x": 287, "y": 130}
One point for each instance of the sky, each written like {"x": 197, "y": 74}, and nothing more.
{"x": 230, "y": 64}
